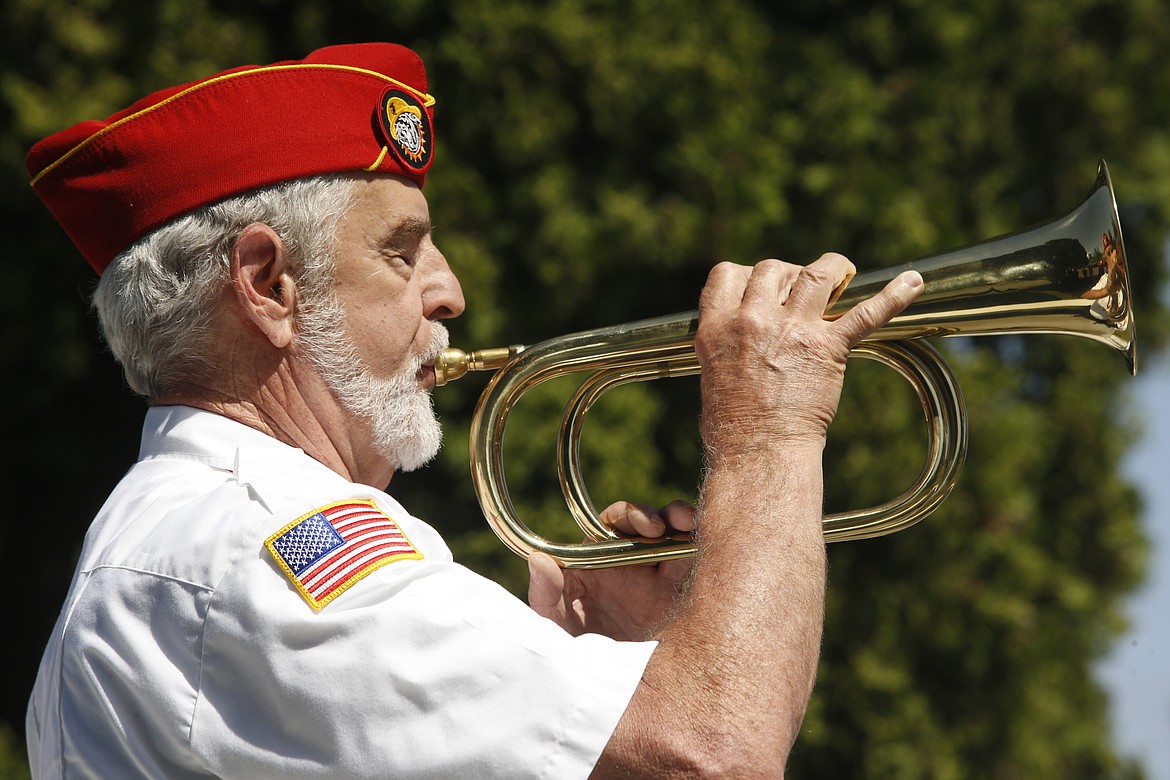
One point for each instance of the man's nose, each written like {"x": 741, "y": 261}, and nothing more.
{"x": 444, "y": 296}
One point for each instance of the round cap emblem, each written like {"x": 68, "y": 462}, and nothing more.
{"x": 406, "y": 127}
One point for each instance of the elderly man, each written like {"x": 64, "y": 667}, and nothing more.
{"x": 250, "y": 603}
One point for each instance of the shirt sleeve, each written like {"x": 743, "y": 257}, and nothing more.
{"x": 424, "y": 669}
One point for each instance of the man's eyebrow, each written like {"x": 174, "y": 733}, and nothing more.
{"x": 410, "y": 228}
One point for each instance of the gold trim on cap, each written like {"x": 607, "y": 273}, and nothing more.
{"x": 381, "y": 157}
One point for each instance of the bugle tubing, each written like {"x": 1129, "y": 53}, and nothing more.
{"x": 1064, "y": 277}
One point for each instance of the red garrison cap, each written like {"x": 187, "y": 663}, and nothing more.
{"x": 360, "y": 107}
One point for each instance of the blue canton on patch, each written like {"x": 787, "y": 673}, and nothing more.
{"x": 307, "y": 542}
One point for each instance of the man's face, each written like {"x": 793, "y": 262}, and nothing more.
{"x": 375, "y": 343}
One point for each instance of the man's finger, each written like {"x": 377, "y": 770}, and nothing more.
{"x": 679, "y": 515}
{"x": 546, "y": 586}
{"x": 869, "y": 315}
{"x": 814, "y": 287}
{"x": 770, "y": 282}
{"x": 724, "y": 288}
{"x": 634, "y": 519}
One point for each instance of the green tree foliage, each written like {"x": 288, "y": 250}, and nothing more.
{"x": 594, "y": 159}
{"x": 12, "y": 763}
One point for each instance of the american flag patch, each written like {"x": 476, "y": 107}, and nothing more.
{"x": 331, "y": 548}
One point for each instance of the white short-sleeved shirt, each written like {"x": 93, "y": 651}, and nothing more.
{"x": 188, "y": 647}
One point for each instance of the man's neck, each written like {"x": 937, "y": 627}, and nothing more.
{"x": 295, "y": 407}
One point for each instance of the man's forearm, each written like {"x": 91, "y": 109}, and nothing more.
{"x": 727, "y": 688}
{"x": 725, "y": 692}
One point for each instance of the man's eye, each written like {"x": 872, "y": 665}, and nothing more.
{"x": 397, "y": 256}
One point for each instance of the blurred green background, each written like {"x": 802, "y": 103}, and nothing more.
{"x": 594, "y": 159}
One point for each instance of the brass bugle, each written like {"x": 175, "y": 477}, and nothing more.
{"x": 1064, "y": 277}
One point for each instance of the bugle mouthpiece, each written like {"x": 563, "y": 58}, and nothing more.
{"x": 453, "y": 363}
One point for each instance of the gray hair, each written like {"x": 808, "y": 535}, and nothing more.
{"x": 158, "y": 300}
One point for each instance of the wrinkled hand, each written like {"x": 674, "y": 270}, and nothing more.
{"x": 626, "y": 602}
{"x": 772, "y": 365}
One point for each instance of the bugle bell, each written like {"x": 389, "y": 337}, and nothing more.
{"x": 1065, "y": 277}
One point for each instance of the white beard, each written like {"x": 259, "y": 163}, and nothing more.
{"x": 400, "y": 410}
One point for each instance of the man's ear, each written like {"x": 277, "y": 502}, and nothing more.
{"x": 264, "y": 288}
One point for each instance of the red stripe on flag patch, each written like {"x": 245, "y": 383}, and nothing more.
{"x": 329, "y": 549}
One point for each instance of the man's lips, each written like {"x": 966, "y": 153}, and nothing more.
{"x": 427, "y": 375}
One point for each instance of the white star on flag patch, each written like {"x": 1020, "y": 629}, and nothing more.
{"x": 331, "y": 548}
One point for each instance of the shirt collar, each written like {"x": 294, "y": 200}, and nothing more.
{"x": 187, "y": 433}
{"x": 252, "y": 457}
